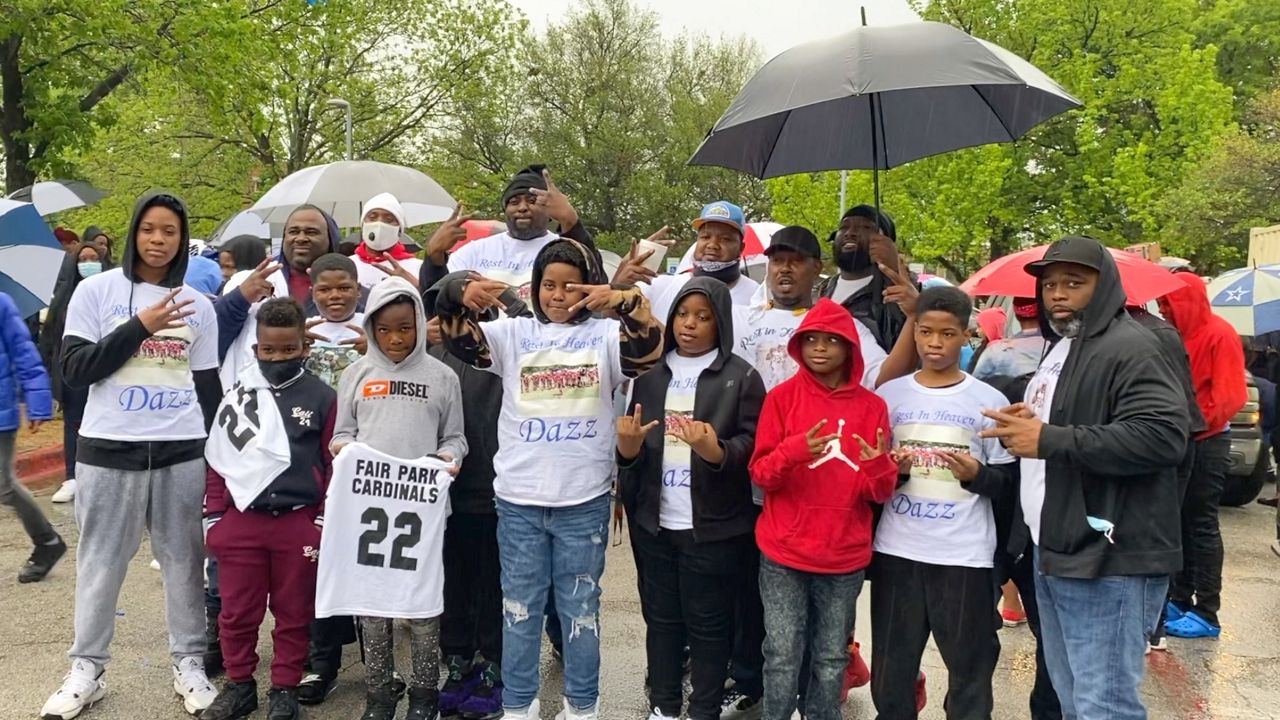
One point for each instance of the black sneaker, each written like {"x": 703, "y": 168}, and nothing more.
{"x": 282, "y": 704}
{"x": 379, "y": 706}
{"x": 237, "y": 700}
{"x": 213, "y": 642}
{"x": 314, "y": 689}
{"x": 42, "y": 560}
{"x": 424, "y": 704}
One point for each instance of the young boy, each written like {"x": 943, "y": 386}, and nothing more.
{"x": 683, "y": 448}
{"x": 146, "y": 346}
{"x": 399, "y": 401}
{"x": 820, "y": 478}
{"x": 337, "y": 336}
{"x": 936, "y": 542}
{"x": 269, "y": 468}
{"x": 555, "y": 458}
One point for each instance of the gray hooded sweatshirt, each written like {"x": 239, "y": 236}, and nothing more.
{"x": 407, "y": 409}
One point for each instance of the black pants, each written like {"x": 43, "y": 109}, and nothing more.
{"x": 472, "y": 620}
{"x": 909, "y": 600}
{"x": 688, "y": 591}
{"x": 1199, "y": 586}
{"x": 324, "y": 652}
{"x": 747, "y": 665}
{"x": 73, "y": 402}
{"x": 1044, "y": 699}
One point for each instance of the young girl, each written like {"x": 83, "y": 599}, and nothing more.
{"x": 683, "y": 478}
{"x": 555, "y": 458}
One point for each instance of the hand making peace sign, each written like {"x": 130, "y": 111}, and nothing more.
{"x": 631, "y": 433}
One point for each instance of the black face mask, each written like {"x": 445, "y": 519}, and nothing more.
{"x": 857, "y": 261}
{"x": 727, "y": 275}
{"x": 279, "y": 372}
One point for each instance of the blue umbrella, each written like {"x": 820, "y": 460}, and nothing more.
{"x": 1248, "y": 298}
{"x": 30, "y": 256}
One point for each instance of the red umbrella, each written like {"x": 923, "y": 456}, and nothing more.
{"x": 477, "y": 229}
{"x": 1143, "y": 280}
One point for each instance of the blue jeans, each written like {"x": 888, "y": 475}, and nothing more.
{"x": 1094, "y": 633}
{"x": 805, "y": 612}
{"x": 558, "y": 550}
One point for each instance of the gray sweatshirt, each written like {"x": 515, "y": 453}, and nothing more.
{"x": 406, "y": 409}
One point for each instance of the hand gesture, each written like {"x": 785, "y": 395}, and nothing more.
{"x": 871, "y": 453}
{"x": 883, "y": 250}
{"x": 632, "y": 270}
{"x": 434, "y": 336}
{"x": 631, "y": 432}
{"x": 395, "y": 269}
{"x": 481, "y": 294}
{"x": 313, "y": 336}
{"x": 599, "y": 297}
{"x": 701, "y": 438}
{"x": 902, "y": 291}
{"x": 818, "y": 443}
{"x": 1018, "y": 410}
{"x": 962, "y": 465}
{"x": 448, "y": 235}
{"x": 360, "y": 342}
{"x": 257, "y": 287}
{"x": 166, "y": 314}
{"x": 903, "y": 460}
{"x": 555, "y": 203}
{"x": 1019, "y": 433}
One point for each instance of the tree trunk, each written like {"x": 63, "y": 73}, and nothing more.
{"x": 14, "y": 121}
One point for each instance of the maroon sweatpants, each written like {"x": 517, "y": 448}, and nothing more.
{"x": 265, "y": 561}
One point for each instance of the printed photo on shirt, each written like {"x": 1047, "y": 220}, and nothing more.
{"x": 162, "y": 360}
{"x": 328, "y": 362}
{"x": 560, "y": 384}
{"x": 926, "y": 443}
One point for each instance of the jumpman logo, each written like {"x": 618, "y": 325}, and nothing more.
{"x": 833, "y": 451}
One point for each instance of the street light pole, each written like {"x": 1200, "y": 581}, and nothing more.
{"x": 346, "y": 107}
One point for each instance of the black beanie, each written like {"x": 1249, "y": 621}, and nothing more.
{"x": 523, "y": 181}
{"x": 879, "y": 217}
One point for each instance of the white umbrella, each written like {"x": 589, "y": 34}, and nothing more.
{"x": 754, "y": 241}
{"x": 30, "y": 256}
{"x": 245, "y": 222}
{"x": 53, "y": 196}
{"x": 342, "y": 188}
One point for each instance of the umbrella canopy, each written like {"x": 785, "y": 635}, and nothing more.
{"x": 30, "y": 256}
{"x": 53, "y": 196}
{"x": 342, "y": 188}
{"x": 879, "y": 97}
{"x": 245, "y": 222}
{"x": 1248, "y": 298}
{"x": 755, "y": 238}
{"x": 1143, "y": 280}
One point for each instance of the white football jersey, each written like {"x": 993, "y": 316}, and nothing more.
{"x": 381, "y": 552}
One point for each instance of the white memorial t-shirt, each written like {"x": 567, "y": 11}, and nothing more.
{"x": 931, "y": 518}
{"x": 1039, "y": 398}
{"x": 675, "y": 507}
{"x": 153, "y": 396}
{"x": 664, "y": 289}
{"x": 762, "y": 336}
{"x": 503, "y": 258}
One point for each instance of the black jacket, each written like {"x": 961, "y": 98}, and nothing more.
{"x": 729, "y": 396}
{"x": 1117, "y": 429}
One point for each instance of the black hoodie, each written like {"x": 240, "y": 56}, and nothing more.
{"x": 85, "y": 363}
{"x": 729, "y": 396}
{"x": 1116, "y": 433}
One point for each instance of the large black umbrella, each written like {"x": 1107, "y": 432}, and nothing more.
{"x": 878, "y": 97}
{"x": 53, "y": 196}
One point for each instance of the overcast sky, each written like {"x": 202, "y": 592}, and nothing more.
{"x": 775, "y": 24}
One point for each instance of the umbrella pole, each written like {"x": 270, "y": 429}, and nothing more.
{"x": 875, "y": 153}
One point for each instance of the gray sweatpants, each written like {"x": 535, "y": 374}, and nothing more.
{"x": 112, "y": 508}
{"x": 15, "y": 496}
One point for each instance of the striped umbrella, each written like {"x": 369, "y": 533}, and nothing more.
{"x": 1248, "y": 298}
{"x": 54, "y": 196}
{"x": 30, "y": 256}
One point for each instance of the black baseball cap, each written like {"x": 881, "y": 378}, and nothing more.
{"x": 797, "y": 239}
{"x": 1076, "y": 249}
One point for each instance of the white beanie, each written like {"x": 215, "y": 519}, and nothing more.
{"x": 388, "y": 202}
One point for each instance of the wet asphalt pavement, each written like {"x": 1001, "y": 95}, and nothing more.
{"x": 1234, "y": 677}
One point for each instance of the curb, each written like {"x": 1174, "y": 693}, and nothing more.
{"x": 41, "y": 469}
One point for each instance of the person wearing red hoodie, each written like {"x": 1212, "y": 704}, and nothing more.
{"x": 1217, "y": 369}
{"x": 820, "y": 477}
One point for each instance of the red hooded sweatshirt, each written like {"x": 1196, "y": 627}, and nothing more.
{"x": 819, "y": 519}
{"x": 1217, "y": 356}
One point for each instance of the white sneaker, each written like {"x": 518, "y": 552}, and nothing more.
{"x": 190, "y": 682}
{"x": 533, "y": 712}
{"x": 155, "y": 564}
{"x": 656, "y": 714}
{"x": 569, "y": 712}
{"x": 82, "y": 687}
{"x": 739, "y": 706}
{"x": 66, "y": 493}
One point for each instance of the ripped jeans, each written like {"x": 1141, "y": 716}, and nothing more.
{"x": 558, "y": 550}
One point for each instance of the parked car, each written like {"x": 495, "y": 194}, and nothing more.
{"x": 1250, "y": 454}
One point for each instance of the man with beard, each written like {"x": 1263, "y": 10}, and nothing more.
{"x": 529, "y": 203}
{"x": 866, "y": 240}
{"x": 1101, "y": 433}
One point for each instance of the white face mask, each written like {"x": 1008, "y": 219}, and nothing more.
{"x": 380, "y": 236}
